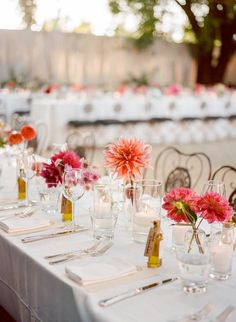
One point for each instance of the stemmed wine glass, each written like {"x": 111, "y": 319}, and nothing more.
{"x": 73, "y": 189}
{"x": 26, "y": 170}
{"x": 214, "y": 186}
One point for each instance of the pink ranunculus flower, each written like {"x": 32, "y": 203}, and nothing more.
{"x": 178, "y": 203}
{"x": 214, "y": 207}
{"x": 127, "y": 157}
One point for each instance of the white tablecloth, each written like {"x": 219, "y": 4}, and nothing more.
{"x": 33, "y": 290}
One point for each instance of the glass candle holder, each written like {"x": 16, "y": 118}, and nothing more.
{"x": 221, "y": 253}
{"x": 178, "y": 235}
{"x": 146, "y": 208}
{"x": 104, "y": 212}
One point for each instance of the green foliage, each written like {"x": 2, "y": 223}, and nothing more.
{"x": 206, "y": 18}
{"x": 28, "y": 8}
{"x": 141, "y": 80}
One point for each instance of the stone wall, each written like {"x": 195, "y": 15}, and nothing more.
{"x": 88, "y": 59}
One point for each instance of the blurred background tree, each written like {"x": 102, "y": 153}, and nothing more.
{"x": 28, "y": 9}
{"x": 211, "y": 27}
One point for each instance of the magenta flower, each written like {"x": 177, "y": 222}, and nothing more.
{"x": 52, "y": 174}
{"x": 181, "y": 205}
{"x": 69, "y": 158}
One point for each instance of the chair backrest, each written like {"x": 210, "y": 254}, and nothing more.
{"x": 42, "y": 136}
{"x": 83, "y": 143}
{"x": 178, "y": 169}
{"x": 227, "y": 174}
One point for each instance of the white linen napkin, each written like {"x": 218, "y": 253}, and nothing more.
{"x": 16, "y": 225}
{"x": 87, "y": 273}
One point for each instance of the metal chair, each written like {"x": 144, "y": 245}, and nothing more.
{"x": 227, "y": 174}
{"x": 178, "y": 169}
{"x": 83, "y": 143}
{"x": 41, "y": 139}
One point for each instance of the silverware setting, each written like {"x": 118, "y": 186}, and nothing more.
{"x": 85, "y": 250}
{"x": 223, "y": 316}
{"x": 28, "y": 212}
{"x": 122, "y": 296}
{"x": 15, "y": 205}
{"x": 93, "y": 253}
{"x": 197, "y": 316}
{"x": 34, "y": 238}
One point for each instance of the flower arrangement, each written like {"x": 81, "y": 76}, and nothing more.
{"x": 127, "y": 157}
{"x": 26, "y": 133}
{"x": 184, "y": 205}
{"x": 64, "y": 161}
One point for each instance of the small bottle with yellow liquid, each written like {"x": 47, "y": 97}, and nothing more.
{"x": 66, "y": 209}
{"x": 152, "y": 250}
{"x": 22, "y": 188}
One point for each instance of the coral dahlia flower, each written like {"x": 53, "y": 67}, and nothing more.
{"x": 127, "y": 157}
{"x": 28, "y": 132}
{"x": 15, "y": 138}
{"x": 215, "y": 207}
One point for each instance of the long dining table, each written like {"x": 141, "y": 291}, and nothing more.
{"x": 33, "y": 290}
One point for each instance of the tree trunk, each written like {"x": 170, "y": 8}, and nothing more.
{"x": 204, "y": 67}
{"x": 208, "y": 74}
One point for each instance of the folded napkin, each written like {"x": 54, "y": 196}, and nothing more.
{"x": 16, "y": 225}
{"x": 87, "y": 273}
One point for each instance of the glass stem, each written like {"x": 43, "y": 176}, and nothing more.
{"x": 27, "y": 193}
{"x": 73, "y": 216}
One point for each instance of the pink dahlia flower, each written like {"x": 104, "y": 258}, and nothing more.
{"x": 215, "y": 207}
{"x": 69, "y": 158}
{"x": 181, "y": 205}
{"x": 127, "y": 157}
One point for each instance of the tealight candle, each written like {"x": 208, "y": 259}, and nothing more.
{"x": 102, "y": 207}
{"x": 221, "y": 259}
{"x": 145, "y": 218}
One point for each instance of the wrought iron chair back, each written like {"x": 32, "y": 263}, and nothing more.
{"x": 178, "y": 169}
{"x": 227, "y": 174}
{"x": 83, "y": 143}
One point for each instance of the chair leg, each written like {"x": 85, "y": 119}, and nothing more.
{"x": 4, "y": 316}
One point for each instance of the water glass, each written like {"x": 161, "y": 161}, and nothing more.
{"x": 73, "y": 189}
{"x": 104, "y": 213}
{"x": 194, "y": 270}
{"x": 221, "y": 253}
{"x": 146, "y": 208}
{"x": 49, "y": 197}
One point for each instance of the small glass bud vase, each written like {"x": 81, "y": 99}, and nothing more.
{"x": 195, "y": 241}
{"x": 221, "y": 253}
{"x": 193, "y": 262}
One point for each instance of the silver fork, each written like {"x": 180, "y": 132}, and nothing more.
{"x": 26, "y": 213}
{"x": 197, "y": 316}
{"x": 86, "y": 250}
{"x": 222, "y": 317}
{"x": 99, "y": 252}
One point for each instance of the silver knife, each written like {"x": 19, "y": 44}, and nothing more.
{"x": 34, "y": 238}
{"x": 134, "y": 292}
